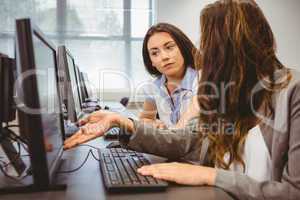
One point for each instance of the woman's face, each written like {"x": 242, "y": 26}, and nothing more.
{"x": 165, "y": 55}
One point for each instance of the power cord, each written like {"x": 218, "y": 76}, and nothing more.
{"x": 90, "y": 152}
{"x": 79, "y": 167}
{"x": 96, "y": 148}
{"x": 3, "y": 170}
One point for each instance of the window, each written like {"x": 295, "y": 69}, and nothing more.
{"x": 104, "y": 36}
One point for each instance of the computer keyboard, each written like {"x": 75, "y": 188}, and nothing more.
{"x": 118, "y": 168}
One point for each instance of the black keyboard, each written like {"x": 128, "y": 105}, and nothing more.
{"x": 118, "y": 168}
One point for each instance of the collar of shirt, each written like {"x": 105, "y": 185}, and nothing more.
{"x": 186, "y": 83}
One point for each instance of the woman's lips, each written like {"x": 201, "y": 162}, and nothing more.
{"x": 168, "y": 65}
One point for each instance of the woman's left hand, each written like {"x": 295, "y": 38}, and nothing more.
{"x": 181, "y": 173}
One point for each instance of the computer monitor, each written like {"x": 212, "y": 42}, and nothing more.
{"x": 71, "y": 87}
{"x": 39, "y": 104}
{"x": 87, "y": 85}
{"x": 7, "y": 79}
{"x": 84, "y": 92}
{"x": 79, "y": 84}
{"x": 8, "y": 113}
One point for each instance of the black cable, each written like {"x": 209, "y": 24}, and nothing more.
{"x": 9, "y": 176}
{"x": 15, "y": 137}
{"x": 87, "y": 145}
{"x": 79, "y": 167}
{"x": 95, "y": 156}
{"x": 12, "y": 126}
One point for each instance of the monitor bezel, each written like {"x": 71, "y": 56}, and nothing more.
{"x": 83, "y": 86}
{"x": 63, "y": 52}
{"x": 77, "y": 70}
{"x": 42, "y": 175}
{"x": 88, "y": 85}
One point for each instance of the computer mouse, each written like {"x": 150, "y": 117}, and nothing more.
{"x": 115, "y": 144}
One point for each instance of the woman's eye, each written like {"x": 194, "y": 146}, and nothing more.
{"x": 170, "y": 46}
{"x": 154, "y": 53}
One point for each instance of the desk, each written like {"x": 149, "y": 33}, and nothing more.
{"x": 87, "y": 183}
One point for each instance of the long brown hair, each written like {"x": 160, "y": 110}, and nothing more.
{"x": 237, "y": 52}
{"x": 185, "y": 45}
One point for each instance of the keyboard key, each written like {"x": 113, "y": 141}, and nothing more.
{"x": 110, "y": 167}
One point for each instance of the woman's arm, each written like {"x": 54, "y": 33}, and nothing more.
{"x": 285, "y": 145}
{"x": 191, "y": 112}
{"x": 148, "y": 115}
{"x": 149, "y": 111}
{"x": 142, "y": 136}
{"x": 173, "y": 144}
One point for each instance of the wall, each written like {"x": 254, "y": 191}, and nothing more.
{"x": 283, "y": 16}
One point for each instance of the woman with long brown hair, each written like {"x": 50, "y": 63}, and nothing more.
{"x": 250, "y": 108}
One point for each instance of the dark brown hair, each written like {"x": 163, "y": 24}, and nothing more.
{"x": 184, "y": 44}
{"x": 237, "y": 47}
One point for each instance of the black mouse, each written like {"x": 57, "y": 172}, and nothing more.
{"x": 115, "y": 144}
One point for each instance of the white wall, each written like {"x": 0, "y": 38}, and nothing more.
{"x": 283, "y": 16}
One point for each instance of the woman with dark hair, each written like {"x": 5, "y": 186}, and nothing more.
{"x": 168, "y": 56}
{"x": 246, "y": 138}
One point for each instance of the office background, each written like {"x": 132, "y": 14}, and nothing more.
{"x": 105, "y": 36}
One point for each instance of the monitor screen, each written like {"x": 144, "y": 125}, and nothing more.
{"x": 74, "y": 86}
{"x": 77, "y": 73}
{"x": 48, "y": 97}
{"x": 39, "y": 104}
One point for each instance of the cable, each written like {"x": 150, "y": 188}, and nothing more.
{"x": 85, "y": 160}
{"x": 12, "y": 126}
{"x": 87, "y": 145}
{"x": 9, "y": 176}
{"x": 79, "y": 167}
{"x": 95, "y": 156}
{"x": 14, "y": 137}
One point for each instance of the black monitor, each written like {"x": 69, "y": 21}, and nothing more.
{"x": 7, "y": 106}
{"x": 84, "y": 92}
{"x": 86, "y": 89}
{"x": 78, "y": 79}
{"x": 8, "y": 113}
{"x": 71, "y": 88}
{"x": 39, "y": 107}
{"x": 87, "y": 85}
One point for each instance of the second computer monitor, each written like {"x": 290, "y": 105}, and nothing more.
{"x": 70, "y": 85}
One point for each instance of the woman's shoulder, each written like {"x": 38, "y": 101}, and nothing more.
{"x": 292, "y": 89}
{"x": 151, "y": 85}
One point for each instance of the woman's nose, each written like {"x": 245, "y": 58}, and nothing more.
{"x": 164, "y": 55}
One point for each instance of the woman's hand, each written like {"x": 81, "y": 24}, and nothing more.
{"x": 95, "y": 125}
{"x": 180, "y": 173}
{"x": 95, "y": 117}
